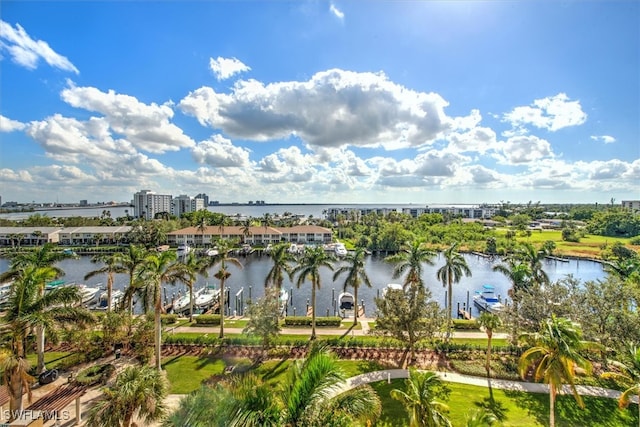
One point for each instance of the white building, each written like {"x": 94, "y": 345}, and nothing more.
{"x": 146, "y": 204}
{"x": 632, "y": 205}
{"x": 183, "y": 204}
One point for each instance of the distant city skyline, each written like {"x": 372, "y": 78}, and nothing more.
{"x": 440, "y": 102}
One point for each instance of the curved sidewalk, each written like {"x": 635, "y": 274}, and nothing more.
{"x": 529, "y": 387}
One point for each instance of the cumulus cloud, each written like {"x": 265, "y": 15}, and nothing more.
{"x": 525, "y": 149}
{"x": 27, "y": 52}
{"x": 146, "y": 126}
{"x": 336, "y": 12}
{"x": 224, "y": 68}
{"x": 10, "y": 175}
{"x": 552, "y": 113}
{"x": 437, "y": 163}
{"x": 604, "y": 138}
{"x": 8, "y": 125}
{"x": 220, "y": 152}
{"x": 287, "y": 165}
{"x": 479, "y": 139}
{"x": 333, "y": 108}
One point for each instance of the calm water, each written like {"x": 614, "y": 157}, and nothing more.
{"x": 255, "y": 268}
{"x": 232, "y": 210}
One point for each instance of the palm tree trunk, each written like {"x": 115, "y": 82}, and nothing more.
{"x": 355, "y": 303}
{"x": 40, "y": 349}
{"x": 552, "y": 408}
{"x": 313, "y": 310}
{"x": 14, "y": 386}
{"x": 449, "y": 303}
{"x": 221, "y": 302}
{"x": 109, "y": 291}
{"x": 191, "y": 303}
{"x": 488, "y": 364}
{"x": 158, "y": 332}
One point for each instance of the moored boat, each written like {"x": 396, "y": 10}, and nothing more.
{"x": 486, "y": 300}
{"x": 346, "y": 301}
{"x": 207, "y": 297}
{"x": 183, "y": 250}
{"x": 340, "y": 249}
{"x": 116, "y": 298}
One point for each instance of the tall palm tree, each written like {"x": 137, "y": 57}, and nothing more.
{"x": 455, "y": 266}
{"x": 157, "y": 269}
{"x": 554, "y": 354}
{"x": 194, "y": 265}
{"x": 111, "y": 266}
{"x": 309, "y": 265}
{"x": 410, "y": 260}
{"x": 246, "y": 229}
{"x": 533, "y": 257}
{"x": 202, "y": 227}
{"x": 43, "y": 256}
{"x": 131, "y": 260}
{"x": 356, "y": 275}
{"x": 518, "y": 273}
{"x": 281, "y": 258}
{"x": 137, "y": 390}
{"x": 490, "y": 322}
{"x": 419, "y": 399}
{"x": 628, "y": 372}
{"x": 222, "y": 261}
{"x": 27, "y": 309}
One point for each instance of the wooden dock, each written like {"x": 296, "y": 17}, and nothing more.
{"x": 464, "y": 314}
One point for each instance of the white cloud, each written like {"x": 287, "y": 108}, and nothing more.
{"x": 224, "y": 68}
{"x": 336, "y": 12}
{"x": 604, "y": 138}
{"x": 9, "y": 175}
{"x": 525, "y": 149}
{"x": 220, "y": 152}
{"x": 8, "y": 125}
{"x": 479, "y": 139}
{"x": 551, "y": 113}
{"x": 334, "y": 108}
{"x": 146, "y": 126}
{"x": 26, "y": 51}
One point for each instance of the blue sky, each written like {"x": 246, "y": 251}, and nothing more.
{"x": 320, "y": 101}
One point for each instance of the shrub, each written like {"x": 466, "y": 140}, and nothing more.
{"x": 95, "y": 374}
{"x": 465, "y": 324}
{"x": 306, "y": 321}
{"x": 208, "y": 320}
{"x": 168, "y": 319}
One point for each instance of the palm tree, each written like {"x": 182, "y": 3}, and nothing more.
{"x": 202, "y": 227}
{"x": 419, "y": 399}
{"x": 518, "y": 273}
{"x": 480, "y": 418}
{"x": 628, "y": 372}
{"x": 356, "y": 275}
{"x": 311, "y": 391}
{"x": 224, "y": 249}
{"x": 533, "y": 257}
{"x": 137, "y": 390}
{"x": 554, "y": 354}
{"x": 131, "y": 260}
{"x": 158, "y": 268}
{"x": 409, "y": 260}
{"x": 27, "y": 309}
{"x": 111, "y": 266}
{"x": 313, "y": 259}
{"x": 246, "y": 229}
{"x": 455, "y": 266}
{"x": 489, "y": 321}
{"x": 194, "y": 265}
{"x": 41, "y": 257}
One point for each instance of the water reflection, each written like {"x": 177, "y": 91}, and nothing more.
{"x": 250, "y": 279}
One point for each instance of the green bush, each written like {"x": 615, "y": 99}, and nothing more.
{"x": 208, "y": 320}
{"x": 95, "y": 374}
{"x": 306, "y": 321}
{"x": 465, "y": 324}
{"x": 168, "y": 319}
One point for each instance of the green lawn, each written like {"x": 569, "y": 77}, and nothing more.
{"x": 51, "y": 358}
{"x": 514, "y": 408}
{"x": 186, "y": 373}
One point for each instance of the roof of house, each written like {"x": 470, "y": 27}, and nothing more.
{"x": 234, "y": 230}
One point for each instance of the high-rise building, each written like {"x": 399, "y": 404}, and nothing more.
{"x": 146, "y": 204}
{"x": 183, "y": 204}
{"x": 204, "y": 197}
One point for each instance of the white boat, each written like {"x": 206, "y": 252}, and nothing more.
{"x": 89, "y": 293}
{"x": 212, "y": 252}
{"x": 391, "y": 287}
{"x": 340, "y": 249}
{"x": 5, "y": 292}
{"x": 486, "y": 300}
{"x": 284, "y": 300}
{"x": 116, "y": 298}
{"x": 182, "y": 304}
{"x": 346, "y": 301}
{"x": 207, "y": 297}
{"x": 183, "y": 250}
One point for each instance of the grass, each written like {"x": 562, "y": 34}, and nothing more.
{"x": 512, "y": 408}
{"x": 186, "y": 373}
{"x": 51, "y": 358}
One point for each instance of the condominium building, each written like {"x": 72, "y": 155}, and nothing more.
{"x": 146, "y": 204}
{"x": 183, "y": 204}
{"x": 632, "y": 205}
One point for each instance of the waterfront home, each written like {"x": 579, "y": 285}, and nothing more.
{"x": 255, "y": 235}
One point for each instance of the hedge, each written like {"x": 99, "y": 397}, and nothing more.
{"x": 168, "y": 319}
{"x": 208, "y": 320}
{"x": 306, "y": 321}
{"x": 465, "y": 324}
{"x": 95, "y": 374}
